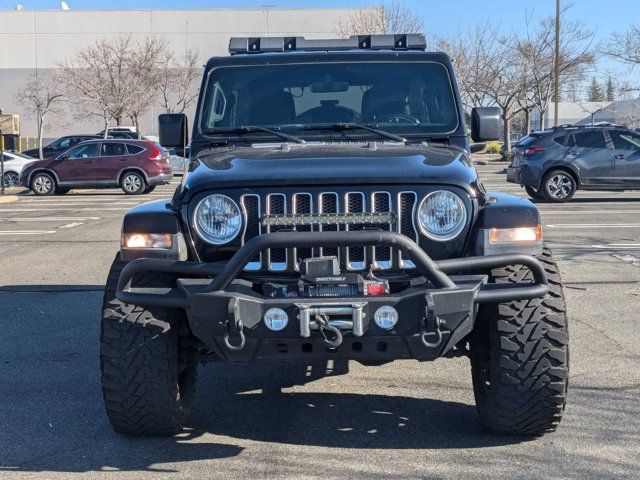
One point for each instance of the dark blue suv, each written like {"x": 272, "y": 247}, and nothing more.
{"x": 552, "y": 164}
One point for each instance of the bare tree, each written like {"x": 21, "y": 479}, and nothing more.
{"x": 41, "y": 97}
{"x": 142, "y": 78}
{"x": 97, "y": 79}
{"x": 491, "y": 72}
{"x": 177, "y": 81}
{"x": 624, "y": 46}
{"x": 389, "y": 17}
{"x": 537, "y": 48}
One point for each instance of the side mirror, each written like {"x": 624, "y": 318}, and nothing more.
{"x": 173, "y": 131}
{"x": 486, "y": 124}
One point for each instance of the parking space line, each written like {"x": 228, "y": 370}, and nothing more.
{"x": 48, "y": 219}
{"x": 71, "y": 225}
{"x": 593, "y": 225}
{"x": 26, "y": 232}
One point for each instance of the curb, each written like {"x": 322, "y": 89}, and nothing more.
{"x": 8, "y": 198}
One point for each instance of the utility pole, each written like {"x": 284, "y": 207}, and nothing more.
{"x": 556, "y": 66}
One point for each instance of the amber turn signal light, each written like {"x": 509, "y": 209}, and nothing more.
{"x": 515, "y": 235}
{"x": 146, "y": 240}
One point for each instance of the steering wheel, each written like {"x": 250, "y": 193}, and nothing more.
{"x": 398, "y": 118}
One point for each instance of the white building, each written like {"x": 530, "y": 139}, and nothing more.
{"x": 40, "y": 39}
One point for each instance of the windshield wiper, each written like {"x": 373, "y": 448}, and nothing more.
{"x": 357, "y": 126}
{"x": 257, "y": 128}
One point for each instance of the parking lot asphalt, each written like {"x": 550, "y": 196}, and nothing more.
{"x": 402, "y": 420}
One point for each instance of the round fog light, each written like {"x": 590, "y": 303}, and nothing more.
{"x": 275, "y": 319}
{"x": 386, "y": 317}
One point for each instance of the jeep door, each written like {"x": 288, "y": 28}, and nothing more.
{"x": 76, "y": 165}
{"x": 626, "y": 157}
{"x": 588, "y": 152}
{"x": 113, "y": 158}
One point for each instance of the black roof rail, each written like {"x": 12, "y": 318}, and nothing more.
{"x": 251, "y": 45}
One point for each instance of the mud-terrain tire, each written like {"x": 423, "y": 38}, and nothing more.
{"x": 148, "y": 369}
{"x": 520, "y": 357}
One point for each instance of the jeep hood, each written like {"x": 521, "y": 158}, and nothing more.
{"x": 328, "y": 164}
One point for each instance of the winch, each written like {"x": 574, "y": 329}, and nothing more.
{"x": 321, "y": 277}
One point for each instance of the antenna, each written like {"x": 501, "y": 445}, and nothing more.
{"x": 64, "y": 6}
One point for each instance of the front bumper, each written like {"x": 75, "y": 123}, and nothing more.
{"x": 225, "y": 313}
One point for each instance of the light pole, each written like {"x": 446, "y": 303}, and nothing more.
{"x": 556, "y": 66}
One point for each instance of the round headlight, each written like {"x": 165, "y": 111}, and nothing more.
{"x": 442, "y": 215}
{"x": 217, "y": 219}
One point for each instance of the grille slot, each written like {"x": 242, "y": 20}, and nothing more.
{"x": 276, "y": 257}
{"x": 401, "y": 204}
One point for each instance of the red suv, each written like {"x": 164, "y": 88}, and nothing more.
{"x": 136, "y": 166}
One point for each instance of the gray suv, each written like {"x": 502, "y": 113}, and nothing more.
{"x": 552, "y": 164}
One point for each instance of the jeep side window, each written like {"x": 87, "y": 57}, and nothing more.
{"x": 591, "y": 139}
{"x": 218, "y": 106}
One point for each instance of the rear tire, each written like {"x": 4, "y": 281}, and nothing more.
{"x": 520, "y": 357}
{"x": 534, "y": 193}
{"x": 558, "y": 186}
{"x": 149, "y": 189}
{"x": 133, "y": 183}
{"x": 43, "y": 184}
{"x": 148, "y": 369}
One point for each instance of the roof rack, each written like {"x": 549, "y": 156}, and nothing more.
{"x": 251, "y": 45}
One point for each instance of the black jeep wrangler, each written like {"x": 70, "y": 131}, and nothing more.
{"x": 331, "y": 212}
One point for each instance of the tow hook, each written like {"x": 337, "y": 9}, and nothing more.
{"x": 323, "y": 324}
{"x": 233, "y": 326}
{"x": 433, "y": 324}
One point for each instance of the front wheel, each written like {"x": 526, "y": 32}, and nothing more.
{"x": 133, "y": 183}
{"x": 11, "y": 179}
{"x": 43, "y": 184}
{"x": 147, "y": 364}
{"x": 520, "y": 357}
{"x": 558, "y": 186}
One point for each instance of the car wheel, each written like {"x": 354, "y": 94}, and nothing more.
{"x": 147, "y": 362}
{"x": 43, "y": 184}
{"x": 11, "y": 179}
{"x": 520, "y": 356}
{"x": 133, "y": 183}
{"x": 534, "y": 193}
{"x": 149, "y": 189}
{"x": 558, "y": 186}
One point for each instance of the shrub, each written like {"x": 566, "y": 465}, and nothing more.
{"x": 492, "y": 147}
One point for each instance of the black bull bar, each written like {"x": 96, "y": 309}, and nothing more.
{"x": 217, "y": 309}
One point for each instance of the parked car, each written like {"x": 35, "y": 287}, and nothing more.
{"x": 122, "y": 132}
{"x": 136, "y": 166}
{"x": 179, "y": 164}
{"x": 58, "y": 146}
{"x": 332, "y": 212}
{"x": 14, "y": 163}
{"x": 552, "y": 164}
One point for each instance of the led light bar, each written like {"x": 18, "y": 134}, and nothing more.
{"x": 248, "y": 45}
{"x": 327, "y": 219}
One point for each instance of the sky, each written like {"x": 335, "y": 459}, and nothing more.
{"x": 442, "y": 18}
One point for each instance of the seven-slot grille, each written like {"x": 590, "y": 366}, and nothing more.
{"x": 401, "y": 204}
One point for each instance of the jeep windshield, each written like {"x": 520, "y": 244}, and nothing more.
{"x": 303, "y": 99}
